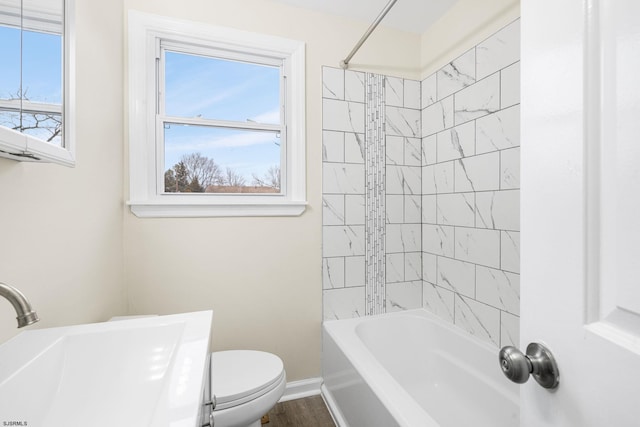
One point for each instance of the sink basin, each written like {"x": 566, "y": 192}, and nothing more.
{"x": 139, "y": 372}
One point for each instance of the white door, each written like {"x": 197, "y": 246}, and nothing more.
{"x": 580, "y": 247}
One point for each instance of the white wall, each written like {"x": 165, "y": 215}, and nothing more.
{"x": 261, "y": 276}
{"x": 61, "y": 237}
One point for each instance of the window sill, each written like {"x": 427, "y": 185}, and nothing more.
{"x": 169, "y": 209}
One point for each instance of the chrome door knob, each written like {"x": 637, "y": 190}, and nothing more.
{"x": 537, "y": 362}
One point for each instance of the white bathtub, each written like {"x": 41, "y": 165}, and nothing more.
{"x": 411, "y": 369}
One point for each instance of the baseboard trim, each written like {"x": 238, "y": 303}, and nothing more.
{"x": 302, "y": 388}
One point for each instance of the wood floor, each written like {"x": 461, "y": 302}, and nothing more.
{"x": 308, "y": 412}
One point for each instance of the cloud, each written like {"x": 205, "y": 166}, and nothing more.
{"x": 272, "y": 116}
{"x": 202, "y": 88}
{"x": 221, "y": 140}
{"x": 181, "y": 102}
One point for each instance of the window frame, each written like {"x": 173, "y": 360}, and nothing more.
{"x": 163, "y": 118}
{"x": 19, "y": 146}
{"x": 146, "y": 182}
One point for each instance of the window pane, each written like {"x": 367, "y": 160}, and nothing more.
{"x": 41, "y": 83}
{"x": 221, "y": 160}
{"x": 10, "y": 119}
{"x": 213, "y": 88}
{"x": 42, "y": 67}
{"x": 44, "y": 126}
{"x": 10, "y": 69}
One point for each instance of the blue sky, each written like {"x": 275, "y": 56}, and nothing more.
{"x": 42, "y": 65}
{"x": 197, "y": 86}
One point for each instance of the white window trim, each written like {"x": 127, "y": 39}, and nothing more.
{"x": 22, "y": 147}
{"x": 144, "y": 198}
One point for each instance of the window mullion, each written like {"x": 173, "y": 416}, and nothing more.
{"x": 199, "y": 121}
{"x": 29, "y": 107}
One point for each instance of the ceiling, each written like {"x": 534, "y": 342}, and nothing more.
{"x": 414, "y": 16}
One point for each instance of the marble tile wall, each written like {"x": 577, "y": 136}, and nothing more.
{"x": 471, "y": 189}
{"x": 403, "y": 195}
{"x": 451, "y": 191}
{"x": 343, "y": 198}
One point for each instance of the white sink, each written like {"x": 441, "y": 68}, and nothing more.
{"x": 139, "y": 372}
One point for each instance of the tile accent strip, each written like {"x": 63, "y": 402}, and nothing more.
{"x": 375, "y": 194}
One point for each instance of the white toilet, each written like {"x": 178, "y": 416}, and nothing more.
{"x": 246, "y": 385}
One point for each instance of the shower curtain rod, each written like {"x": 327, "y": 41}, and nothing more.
{"x": 345, "y": 63}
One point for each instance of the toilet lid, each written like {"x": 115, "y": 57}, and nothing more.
{"x": 241, "y": 375}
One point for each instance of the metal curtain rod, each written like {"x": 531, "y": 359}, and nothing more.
{"x": 345, "y": 63}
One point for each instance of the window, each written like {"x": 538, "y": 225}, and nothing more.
{"x": 35, "y": 81}
{"x": 221, "y": 120}
{"x": 216, "y": 121}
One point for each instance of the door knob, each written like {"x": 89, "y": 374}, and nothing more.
{"x": 537, "y": 362}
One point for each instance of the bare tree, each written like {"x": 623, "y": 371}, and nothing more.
{"x": 233, "y": 178}
{"x": 203, "y": 169}
{"x": 271, "y": 178}
{"x": 195, "y": 173}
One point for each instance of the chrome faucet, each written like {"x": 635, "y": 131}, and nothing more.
{"x": 26, "y": 316}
